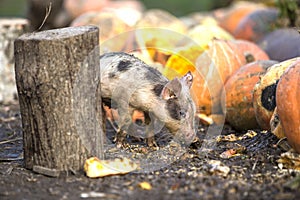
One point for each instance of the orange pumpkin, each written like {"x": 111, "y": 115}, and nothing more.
{"x": 202, "y": 34}
{"x": 182, "y": 61}
{"x": 190, "y": 47}
{"x": 158, "y": 31}
{"x": 288, "y": 39}
{"x": 256, "y": 24}
{"x": 264, "y": 95}
{"x": 238, "y": 91}
{"x": 110, "y": 24}
{"x": 213, "y": 67}
{"x": 275, "y": 124}
{"x": 251, "y": 51}
{"x": 78, "y": 7}
{"x": 288, "y": 104}
{"x": 230, "y": 17}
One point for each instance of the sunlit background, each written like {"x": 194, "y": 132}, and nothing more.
{"x": 176, "y": 7}
{"x": 13, "y": 8}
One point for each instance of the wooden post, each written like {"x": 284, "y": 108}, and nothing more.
{"x": 57, "y": 76}
{"x": 10, "y": 29}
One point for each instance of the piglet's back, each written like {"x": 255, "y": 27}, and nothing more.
{"x": 118, "y": 66}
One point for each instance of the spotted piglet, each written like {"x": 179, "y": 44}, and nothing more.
{"x": 129, "y": 84}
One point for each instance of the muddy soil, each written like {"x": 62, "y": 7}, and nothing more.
{"x": 193, "y": 172}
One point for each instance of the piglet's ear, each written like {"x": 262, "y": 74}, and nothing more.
{"x": 187, "y": 79}
{"x": 172, "y": 89}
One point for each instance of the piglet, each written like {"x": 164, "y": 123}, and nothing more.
{"x": 128, "y": 84}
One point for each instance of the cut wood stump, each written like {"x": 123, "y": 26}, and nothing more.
{"x": 10, "y": 29}
{"x": 57, "y": 76}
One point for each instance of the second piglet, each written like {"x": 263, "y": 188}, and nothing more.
{"x": 128, "y": 84}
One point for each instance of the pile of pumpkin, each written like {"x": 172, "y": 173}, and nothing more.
{"x": 246, "y": 70}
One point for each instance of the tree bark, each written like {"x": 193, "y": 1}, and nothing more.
{"x": 57, "y": 75}
{"x": 10, "y": 29}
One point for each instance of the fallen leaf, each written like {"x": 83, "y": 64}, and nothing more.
{"x": 233, "y": 137}
{"x": 95, "y": 167}
{"x": 228, "y": 154}
{"x": 211, "y": 119}
{"x": 218, "y": 168}
{"x": 290, "y": 160}
{"x": 249, "y": 134}
{"x": 205, "y": 119}
{"x": 233, "y": 151}
{"x": 227, "y": 138}
{"x": 145, "y": 185}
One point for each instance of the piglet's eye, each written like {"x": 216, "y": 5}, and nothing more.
{"x": 182, "y": 114}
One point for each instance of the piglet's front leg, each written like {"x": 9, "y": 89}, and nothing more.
{"x": 124, "y": 123}
{"x": 150, "y": 132}
{"x": 151, "y": 142}
{"x": 120, "y": 138}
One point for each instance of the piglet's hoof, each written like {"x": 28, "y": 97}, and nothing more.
{"x": 120, "y": 139}
{"x": 122, "y": 144}
{"x": 152, "y": 144}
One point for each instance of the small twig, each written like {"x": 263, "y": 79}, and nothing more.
{"x": 20, "y": 157}
{"x": 8, "y": 171}
{"x": 2, "y": 119}
{"x": 12, "y": 140}
{"x": 46, "y": 171}
{"x": 48, "y": 11}
{"x": 254, "y": 165}
{"x": 280, "y": 140}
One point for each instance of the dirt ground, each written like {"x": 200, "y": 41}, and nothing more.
{"x": 195, "y": 173}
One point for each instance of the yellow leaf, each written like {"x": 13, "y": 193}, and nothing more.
{"x": 145, "y": 185}
{"x": 94, "y": 167}
{"x": 182, "y": 61}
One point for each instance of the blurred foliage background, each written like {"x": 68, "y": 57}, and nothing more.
{"x": 176, "y": 7}
{"x": 184, "y": 7}
{"x": 13, "y": 8}
{"x": 289, "y": 9}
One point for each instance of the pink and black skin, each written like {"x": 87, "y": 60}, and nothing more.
{"x": 129, "y": 84}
